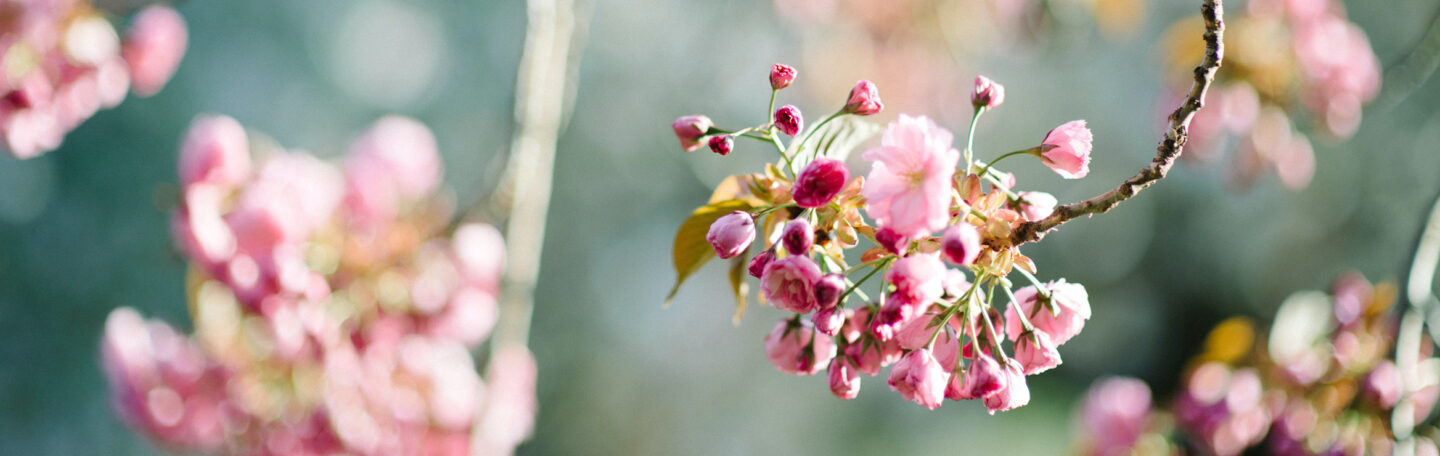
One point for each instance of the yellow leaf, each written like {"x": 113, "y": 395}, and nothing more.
{"x": 691, "y": 250}
{"x": 738, "y": 271}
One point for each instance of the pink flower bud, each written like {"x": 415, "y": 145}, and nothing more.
{"x": 983, "y": 378}
{"x": 1114, "y": 414}
{"x": 870, "y": 356}
{"x": 689, "y": 130}
{"x": 844, "y": 379}
{"x": 961, "y": 244}
{"x": 919, "y": 378}
{"x": 988, "y": 94}
{"x": 918, "y": 279}
{"x": 403, "y": 154}
{"x": 1066, "y": 149}
{"x": 789, "y": 284}
{"x": 1382, "y": 385}
{"x": 722, "y": 144}
{"x": 153, "y": 47}
{"x": 795, "y": 349}
{"x": 216, "y": 151}
{"x": 1036, "y": 353}
{"x": 798, "y": 237}
{"x": 828, "y": 290}
{"x": 819, "y": 182}
{"x": 1070, "y": 299}
{"x": 891, "y": 240}
{"x": 864, "y": 99}
{"x": 757, "y": 264}
{"x": 731, "y": 234}
{"x": 1015, "y": 393}
{"x": 781, "y": 76}
{"x": 789, "y": 120}
{"x": 1035, "y": 206}
{"x": 829, "y": 320}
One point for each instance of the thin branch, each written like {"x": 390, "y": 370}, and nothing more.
{"x": 1166, "y": 153}
{"x": 1409, "y": 74}
{"x": 546, "y": 63}
{"x": 1419, "y": 281}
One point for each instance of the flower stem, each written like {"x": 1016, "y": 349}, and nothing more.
{"x": 1032, "y": 151}
{"x": 970, "y": 139}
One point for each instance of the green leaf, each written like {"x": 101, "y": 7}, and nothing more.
{"x": 836, "y": 139}
{"x": 691, "y": 250}
{"x": 738, "y": 271}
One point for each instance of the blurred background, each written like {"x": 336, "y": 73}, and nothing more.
{"x": 85, "y": 229}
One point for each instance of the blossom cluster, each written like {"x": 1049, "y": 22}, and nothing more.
{"x": 64, "y": 61}
{"x": 939, "y": 222}
{"x": 334, "y": 307}
{"x": 1286, "y": 60}
{"x": 1321, "y": 382}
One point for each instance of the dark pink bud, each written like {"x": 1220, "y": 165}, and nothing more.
{"x": 984, "y": 377}
{"x": 819, "y": 182}
{"x": 864, "y": 99}
{"x": 689, "y": 130}
{"x": 781, "y": 76}
{"x": 844, "y": 379}
{"x": 798, "y": 237}
{"x": 890, "y": 240}
{"x": 731, "y": 234}
{"x": 828, "y": 290}
{"x": 988, "y": 94}
{"x": 961, "y": 244}
{"x": 757, "y": 264}
{"x": 829, "y": 321}
{"x": 722, "y": 144}
{"x": 788, "y": 120}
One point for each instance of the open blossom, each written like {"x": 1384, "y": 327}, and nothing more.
{"x": 987, "y": 94}
{"x": 789, "y": 284}
{"x": 919, "y": 378}
{"x": 1015, "y": 392}
{"x": 908, "y": 188}
{"x": 1036, "y": 353}
{"x": 983, "y": 378}
{"x": 789, "y": 120}
{"x": 796, "y": 349}
{"x": 689, "y": 130}
{"x": 1035, "y": 206}
{"x": 961, "y": 244}
{"x": 864, "y": 99}
{"x": 821, "y": 180}
{"x": 731, "y": 234}
{"x": 1071, "y": 300}
{"x": 1066, "y": 149}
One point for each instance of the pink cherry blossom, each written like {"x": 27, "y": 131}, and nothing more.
{"x": 1066, "y": 149}
{"x": 828, "y": 290}
{"x": 798, "y": 236}
{"x": 689, "y": 130}
{"x": 789, "y": 120}
{"x": 844, "y": 379}
{"x": 819, "y": 182}
{"x": 961, "y": 244}
{"x": 919, "y": 378}
{"x": 1036, "y": 353}
{"x": 789, "y": 284}
{"x": 153, "y": 47}
{"x": 1071, "y": 300}
{"x": 983, "y": 378}
{"x": 732, "y": 234}
{"x": 798, "y": 349}
{"x": 722, "y": 144}
{"x": 215, "y": 151}
{"x": 1014, "y": 394}
{"x": 908, "y": 188}
{"x": 781, "y": 76}
{"x": 987, "y": 94}
{"x": 1113, "y": 415}
{"x": 864, "y": 99}
{"x": 1035, "y": 206}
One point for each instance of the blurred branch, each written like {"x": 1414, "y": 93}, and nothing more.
{"x": 1419, "y": 282}
{"x": 1407, "y": 75}
{"x": 1166, "y": 153}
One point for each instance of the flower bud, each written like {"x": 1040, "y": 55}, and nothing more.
{"x": 1036, "y": 353}
{"x": 984, "y": 377}
{"x": 798, "y": 237}
{"x": 919, "y": 378}
{"x": 689, "y": 130}
{"x": 216, "y": 151}
{"x": 153, "y": 48}
{"x": 1070, "y": 299}
{"x": 1382, "y": 385}
{"x": 794, "y": 348}
{"x": 1035, "y": 205}
{"x": 722, "y": 144}
{"x": 844, "y": 379}
{"x": 781, "y": 76}
{"x": 988, "y": 94}
{"x": 788, "y": 120}
{"x": 891, "y": 240}
{"x": 731, "y": 234}
{"x": 864, "y": 99}
{"x": 1066, "y": 149}
{"x": 819, "y": 182}
{"x": 757, "y": 264}
{"x": 1015, "y": 393}
{"x": 829, "y": 320}
{"x": 828, "y": 290}
{"x": 961, "y": 244}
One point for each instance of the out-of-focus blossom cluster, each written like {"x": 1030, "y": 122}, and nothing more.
{"x": 61, "y": 61}
{"x": 939, "y": 224}
{"x": 1288, "y": 64}
{"x": 334, "y": 308}
{"x": 1323, "y": 381}
{"x": 917, "y": 48}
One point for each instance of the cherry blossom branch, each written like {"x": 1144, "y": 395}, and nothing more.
{"x": 1419, "y": 281}
{"x": 1171, "y": 145}
{"x": 1407, "y": 75}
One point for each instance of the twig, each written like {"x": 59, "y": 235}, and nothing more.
{"x": 1407, "y": 75}
{"x": 553, "y": 36}
{"x": 1422, "y": 301}
{"x": 1166, "y": 153}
